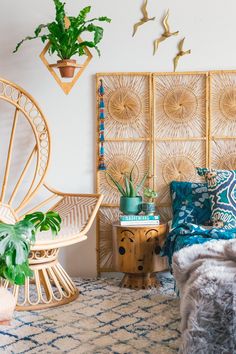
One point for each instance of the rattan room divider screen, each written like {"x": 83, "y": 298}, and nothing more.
{"x": 167, "y": 123}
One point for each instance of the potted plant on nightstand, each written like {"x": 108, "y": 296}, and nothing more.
{"x": 63, "y": 34}
{"x": 130, "y": 200}
{"x": 149, "y": 206}
{"x": 15, "y": 242}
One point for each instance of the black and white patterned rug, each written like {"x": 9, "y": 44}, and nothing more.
{"x": 104, "y": 319}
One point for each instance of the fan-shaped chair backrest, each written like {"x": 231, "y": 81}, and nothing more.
{"x": 24, "y": 147}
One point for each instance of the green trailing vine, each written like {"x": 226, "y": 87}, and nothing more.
{"x": 64, "y": 39}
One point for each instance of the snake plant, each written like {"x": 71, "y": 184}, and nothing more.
{"x": 15, "y": 242}
{"x": 64, "y": 37}
{"x": 130, "y": 189}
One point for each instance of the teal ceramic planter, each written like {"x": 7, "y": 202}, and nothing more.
{"x": 149, "y": 208}
{"x": 131, "y": 206}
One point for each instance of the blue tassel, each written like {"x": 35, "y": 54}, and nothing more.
{"x": 102, "y": 167}
{"x": 101, "y": 105}
{"x": 101, "y": 90}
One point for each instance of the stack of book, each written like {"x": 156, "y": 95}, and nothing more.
{"x": 132, "y": 220}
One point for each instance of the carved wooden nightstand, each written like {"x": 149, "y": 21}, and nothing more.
{"x": 136, "y": 252}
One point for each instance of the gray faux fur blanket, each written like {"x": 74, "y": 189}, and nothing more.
{"x": 206, "y": 278}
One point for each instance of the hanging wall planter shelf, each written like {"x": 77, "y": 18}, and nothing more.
{"x": 66, "y": 86}
{"x": 66, "y": 67}
{"x": 63, "y": 36}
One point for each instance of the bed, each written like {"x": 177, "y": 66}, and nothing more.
{"x": 206, "y": 279}
{"x": 201, "y": 249}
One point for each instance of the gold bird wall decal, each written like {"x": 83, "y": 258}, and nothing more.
{"x": 166, "y": 34}
{"x": 181, "y": 53}
{"x": 144, "y": 19}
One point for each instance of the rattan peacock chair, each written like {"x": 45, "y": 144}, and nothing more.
{"x": 25, "y": 153}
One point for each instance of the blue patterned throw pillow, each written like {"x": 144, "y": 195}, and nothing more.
{"x": 190, "y": 203}
{"x": 222, "y": 194}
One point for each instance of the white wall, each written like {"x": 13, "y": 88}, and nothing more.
{"x": 209, "y": 27}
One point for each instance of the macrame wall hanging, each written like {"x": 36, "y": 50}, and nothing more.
{"x": 168, "y": 123}
{"x": 101, "y": 92}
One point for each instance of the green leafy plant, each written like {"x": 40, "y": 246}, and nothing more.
{"x": 63, "y": 38}
{"x": 44, "y": 222}
{"x": 150, "y": 194}
{"x": 130, "y": 189}
{"x": 15, "y": 242}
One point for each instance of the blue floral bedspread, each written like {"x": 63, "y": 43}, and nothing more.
{"x": 189, "y": 234}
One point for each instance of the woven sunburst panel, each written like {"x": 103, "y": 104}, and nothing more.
{"x": 169, "y": 123}
{"x": 223, "y": 119}
{"x": 128, "y": 129}
{"x": 106, "y": 217}
{"x": 121, "y": 157}
{"x": 127, "y": 101}
{"x": 180, "y": 129}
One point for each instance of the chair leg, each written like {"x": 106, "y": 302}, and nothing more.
{"x": 50, "y": 286}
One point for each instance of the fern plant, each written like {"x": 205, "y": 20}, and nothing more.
{"x": 64, "y": 38}
{"x": 15, "y": 242}
{"x": 129, "y": 190}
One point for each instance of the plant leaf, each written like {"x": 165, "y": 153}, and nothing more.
{"x": 132, "y": 190}
{"x": 39, "y": 29}
{"x": 131, "y": 173}
{"x": 117, "y": 184}
{"x": 140, "y": 185}
{"x": 44, "y": 222}
{"x": 127, "y": 185}
{"x": 83, "y": 13}
{"x": 104, "y": 19}
{"x": 60, "y": 14}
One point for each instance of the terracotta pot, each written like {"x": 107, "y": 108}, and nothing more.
{"x": 67, "y": 70}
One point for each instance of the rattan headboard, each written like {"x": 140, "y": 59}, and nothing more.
{"x": 169, "y": 123}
